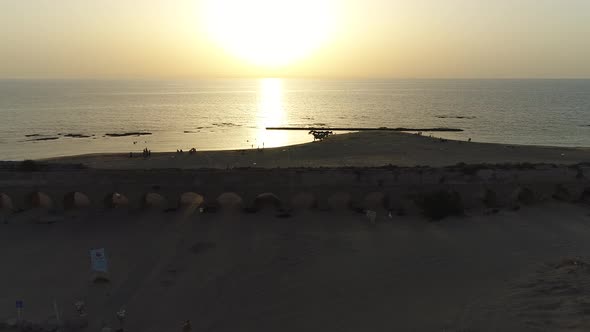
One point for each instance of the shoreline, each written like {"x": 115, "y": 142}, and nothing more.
{"x": 359, "y": 149}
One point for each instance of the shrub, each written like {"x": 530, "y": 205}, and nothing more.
{"x": 441, "y": 204}
{"x": 561, "y": 193}
{"x": 471, "y": 169}
{"x": 525, "y": 196}
{"x": 490, "y": 199}
{"x": 29, "y": 166}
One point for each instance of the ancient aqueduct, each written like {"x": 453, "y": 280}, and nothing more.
{"x": 288, "y": 189}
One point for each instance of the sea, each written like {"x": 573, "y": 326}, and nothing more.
{"x": 52, "y": 118}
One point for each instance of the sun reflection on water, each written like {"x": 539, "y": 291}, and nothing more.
{"x": 271, "y": 113}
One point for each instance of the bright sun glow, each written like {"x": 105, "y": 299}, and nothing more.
{"x": 269, "y": 33}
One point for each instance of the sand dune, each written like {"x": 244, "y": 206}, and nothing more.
{"x": 356, "y": 149}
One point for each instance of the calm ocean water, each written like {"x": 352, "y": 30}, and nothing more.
{"x": 231, "y": 114}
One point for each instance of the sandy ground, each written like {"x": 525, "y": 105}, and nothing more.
{"x": 316, "y": 271}
{"x": 356, "y": 149}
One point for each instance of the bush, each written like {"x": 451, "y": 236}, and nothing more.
{"x": 470, "y": 169}
{"x": 490, "y": 199}
{"x": 441, "y": 204}
{"x": 29, "y": 166}
{"x": 561, "y": 193}
{"x": 525, "y": 196}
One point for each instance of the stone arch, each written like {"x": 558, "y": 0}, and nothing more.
{"x": 340, "y": 201}
{"x": 304, "y": 201}
{"x": 490, "y": 199}
{"x": 230, "y": 201}
{"x": 561, "y": 193}
{"x": 38, "y": 199}
{"x": 76, "y": 200}
{"x": 116, "y": 200}
{"x": 153, "y": 200}
{"x": 524, "y": 195}
{"x": 6, "y": 202}
{"x": 440, "y": 204}
{"x": 191, "y": 199}
{"x": 267, "y": 200}
{"x": 374, "y": 201}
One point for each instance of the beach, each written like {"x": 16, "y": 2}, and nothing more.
{"x": 295, "y": 165}
{"x": 56, "y": 118}
{"x": 466, "y": 237}
{"x": 362, "y": 149}
{"x": 314, "y": 272}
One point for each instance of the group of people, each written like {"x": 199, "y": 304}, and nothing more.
{"x": 442, "y": 140}
{"x": 146, "y": 153}
{"x": 191, "y": 151}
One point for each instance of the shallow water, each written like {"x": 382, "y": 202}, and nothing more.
{"x": 233, "y": 114}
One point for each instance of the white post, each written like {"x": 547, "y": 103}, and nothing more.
{"x": 56, "y": 313}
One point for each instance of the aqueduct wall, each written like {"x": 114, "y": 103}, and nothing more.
{"x": 396, "y": 186}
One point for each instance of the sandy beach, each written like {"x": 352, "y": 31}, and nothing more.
{"x": 313, "y": 272}
{"x": 520, "y": 263}
{"x": 362, "y": 149}
{"x": 295, "y": 166}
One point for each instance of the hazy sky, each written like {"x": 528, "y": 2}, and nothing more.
{"x": 369, "y": 38}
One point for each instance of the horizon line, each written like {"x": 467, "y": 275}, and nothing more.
{"x": 344, "y": 78}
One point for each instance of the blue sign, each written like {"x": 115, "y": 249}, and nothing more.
{"x": 20, "y": 304}
{"x": 98, "y": 260}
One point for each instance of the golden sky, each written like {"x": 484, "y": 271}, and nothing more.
{"x": 295, "y": 38}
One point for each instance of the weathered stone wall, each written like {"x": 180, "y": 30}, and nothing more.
{"x": 398, "y": 185}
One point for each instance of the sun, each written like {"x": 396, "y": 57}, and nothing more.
{"x": 269, "y": 33}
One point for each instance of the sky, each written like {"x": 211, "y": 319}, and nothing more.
{"x": 168, "y": 39}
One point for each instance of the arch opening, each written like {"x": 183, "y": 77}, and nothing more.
{"x": 39, "y": 199}
{"x": 76, "y": 200}
{"x": 116, "y": 200}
